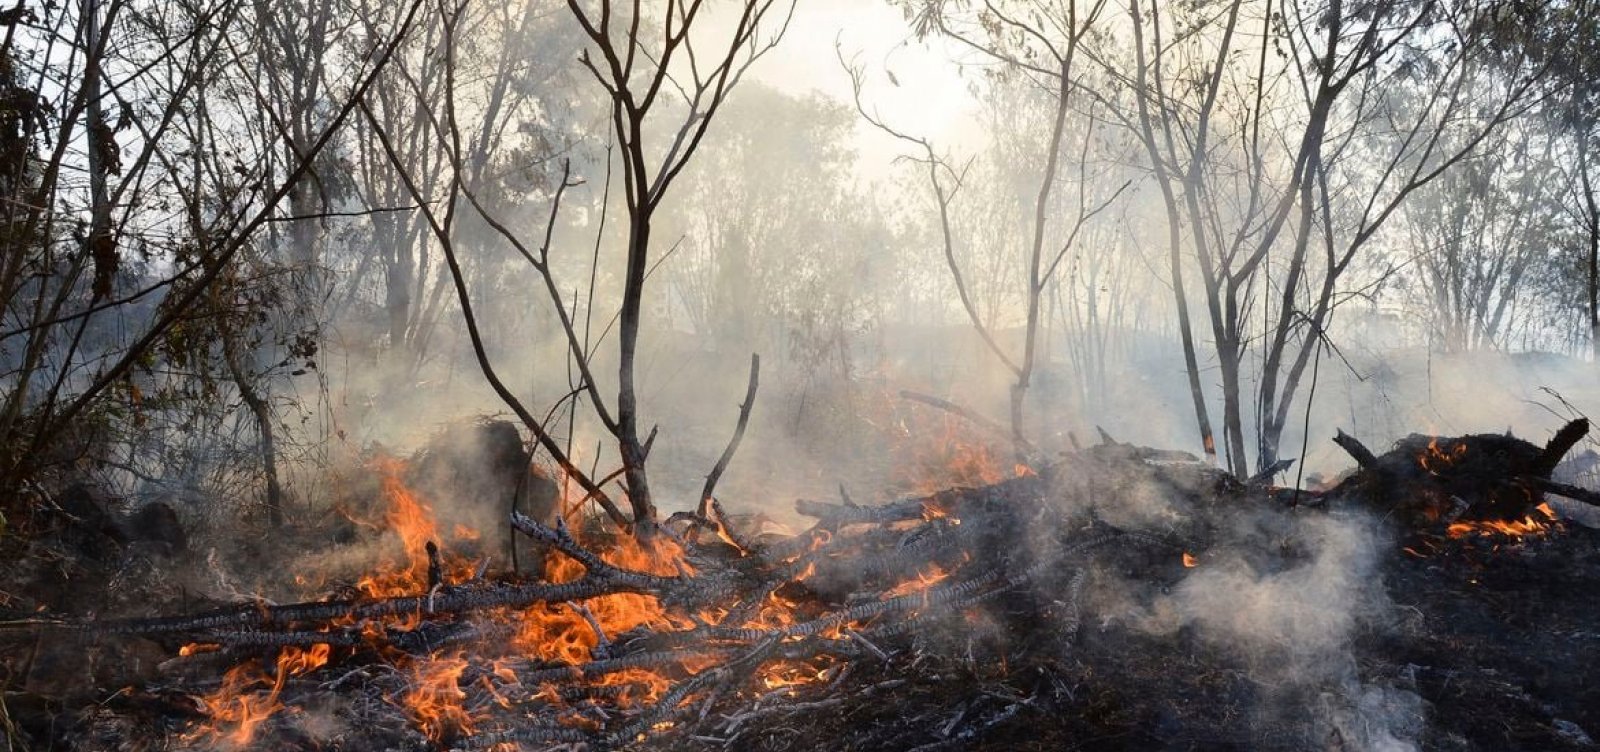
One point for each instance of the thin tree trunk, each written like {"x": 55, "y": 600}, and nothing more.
{"x": 1019, "y": 390}
{"x": 263, "y": 416}
{"x": 1174, "y": 240}
{"x": 628, "y": 444}
{"x": 1592, "y": 211}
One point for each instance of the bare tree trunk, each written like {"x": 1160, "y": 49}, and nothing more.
{"x": 397, "y": 279}
{"x": 1592, "y": 220}
{"x": 1019, "y": 389}
{"x": 1174, "y": 236}
{"x": 262, "y": 412}
{"x": 102, "y": 149}
{"x": 628, "y": 444}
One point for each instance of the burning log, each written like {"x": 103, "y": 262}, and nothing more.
{"x": 1460, "y": 482}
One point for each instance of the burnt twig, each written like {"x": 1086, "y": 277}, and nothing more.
{"x": 738, "y": 435}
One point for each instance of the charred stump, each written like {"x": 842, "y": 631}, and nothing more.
{"x": 1429, "y": 481}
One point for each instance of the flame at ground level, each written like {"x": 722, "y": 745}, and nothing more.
{"x": 543, "y": 635}
{"x": 240, "y": 705}
{"x": 1529, "y": 525}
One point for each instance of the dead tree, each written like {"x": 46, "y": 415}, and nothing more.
{"x": 634, "y": 71}
{"x": 1059, "y": 73}
{"x": 633, "y": 74}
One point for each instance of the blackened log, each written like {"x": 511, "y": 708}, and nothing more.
{"x": 1575, "y": 493}
{"x": 1362, "y": 455}
{"x": 1265, "y": 476}
{"x": 1559, "y": 445}
{"x": 449, "y": 601}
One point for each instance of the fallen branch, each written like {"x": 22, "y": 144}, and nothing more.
{"x": 1559, "y": 445}
{"x": 1576, "y": 493}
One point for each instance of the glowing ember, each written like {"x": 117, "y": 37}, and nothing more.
{"x": 790, "y": 673}
{"x": 1189, "y": 560}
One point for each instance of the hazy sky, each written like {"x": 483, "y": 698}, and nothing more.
{"x": 927, "y": 98}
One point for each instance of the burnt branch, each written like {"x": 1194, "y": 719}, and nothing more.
{"x": 1559, "y": 445}
{"x": 733, "y": 443}
{"x": 1358, "y": 451}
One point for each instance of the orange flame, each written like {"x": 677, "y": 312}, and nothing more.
{"x": 239, "y": 704}
{"x": 561, "y": 634}
{"x": 1527, "y": 526}
{"x": 639, "y": 685}
{"x": 412, "y": 519}
{"x": 435, "y": 697}
{"x": 926, "y": 578}
{"x": 790, "y": 673}
{"x": 1434, "y": 458}
{"x": 940, "y": 454}
{"x": 1190, "y": 561}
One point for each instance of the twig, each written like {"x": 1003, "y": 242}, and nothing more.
{"x": 594, "y": 624}
{"x": 738, "y": 435}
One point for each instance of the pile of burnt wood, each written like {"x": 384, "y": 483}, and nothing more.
{"x": 1024, "y": 614}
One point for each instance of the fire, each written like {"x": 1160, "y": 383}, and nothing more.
{"x": 1190, "y": 561}
{"x": 296, "y": 662}
{"x": 1527, "y": 526}
{"x": 438, "y": 685}
{"x": 639, "y": 685}
{"x": 926, "y": 578}
{"x": 561, "y": 633}
{"x": 776, "y": 612}
{"x": 237, "y": 704}
{"x": 1435, "y": 458}
{"x": 784, "y": 672}
{"x": 435, "y": 698}
{"x": 238, "y": 707}
{"x": 412, "y": 520}
{"x": 937, "y": 452}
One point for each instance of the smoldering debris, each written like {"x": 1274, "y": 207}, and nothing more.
{"x": 1009, "y": 615}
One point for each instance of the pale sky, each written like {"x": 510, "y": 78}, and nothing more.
{"x": 928, "y": 97}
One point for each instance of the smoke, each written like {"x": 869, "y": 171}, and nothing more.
{"x": 1289, "y": 596}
